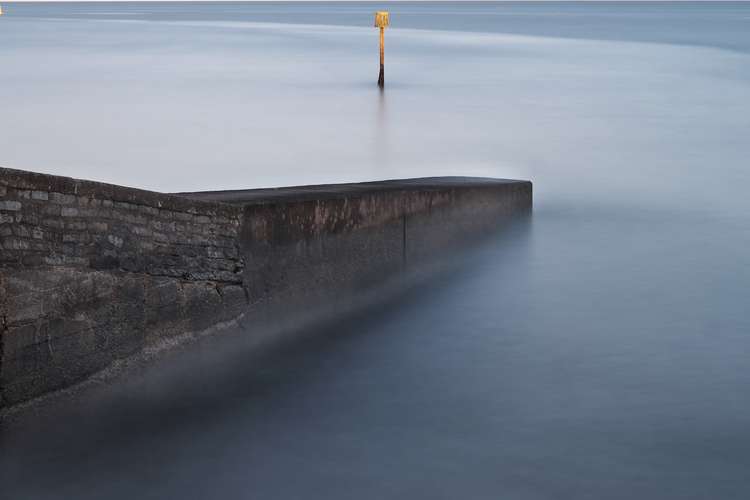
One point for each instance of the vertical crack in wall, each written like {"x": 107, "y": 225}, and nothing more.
{"x": 403, "y": 246}
{"x": 3, "y": 335}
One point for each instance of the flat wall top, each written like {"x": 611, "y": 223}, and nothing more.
{"x": 331, "y": 191}
{"x": 216, "y": 201}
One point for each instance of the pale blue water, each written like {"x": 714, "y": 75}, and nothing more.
{"x": 598, "y": 350}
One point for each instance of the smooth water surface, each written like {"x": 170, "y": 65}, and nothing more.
{"x": 597, "y": 350}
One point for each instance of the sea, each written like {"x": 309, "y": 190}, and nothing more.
{"x": 598, "y": 349}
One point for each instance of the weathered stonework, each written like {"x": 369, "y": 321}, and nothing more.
{"x": 91, "y": 273}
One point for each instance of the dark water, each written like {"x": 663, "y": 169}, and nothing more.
{"x": 597, "y": 350}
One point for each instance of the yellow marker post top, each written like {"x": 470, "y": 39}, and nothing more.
{"x": 382, "y": 19}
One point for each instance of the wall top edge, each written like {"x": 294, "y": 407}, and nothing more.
{"x": 348, "y": 190}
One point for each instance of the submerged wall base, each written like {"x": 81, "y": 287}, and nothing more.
{"x": 93, "y": 273}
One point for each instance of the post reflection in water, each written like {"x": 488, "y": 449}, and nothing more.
{"x": 381, "y": 130}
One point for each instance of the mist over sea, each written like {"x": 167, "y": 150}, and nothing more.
{"x": 599, "y": 349}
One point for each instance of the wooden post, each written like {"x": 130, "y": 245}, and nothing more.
{"x": 381, "y": 77}
{"x": 382, "y": 19}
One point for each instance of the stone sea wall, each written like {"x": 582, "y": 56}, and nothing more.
{"x": 92, "y": 273}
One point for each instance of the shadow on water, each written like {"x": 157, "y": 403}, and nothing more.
{"x": 216, "y": 385}
{"x": 381, "y": 129}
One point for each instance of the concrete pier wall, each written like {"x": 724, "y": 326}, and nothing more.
{"x": 92, "y": 273}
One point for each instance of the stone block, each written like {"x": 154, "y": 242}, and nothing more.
{"x": 88, "y": 212}
{"x": 182, "y": 216}
{"x": 141, "y": 231}
{"x": 123, "y": 205}
{"x": 62, "y": 199}
{"x": 10, "y": 205}
{"x": 151, "y": 211}
{"x": 32, "y": 260}
{"x": 51, "y": 210}
{"x": 115, "y": 240}
{"x": 75, "y": 238}
{"x": 99, "y": 227}
{"x": 53, "y": 223}
{"x": 30, "y": 218}
{"x": 75, "y": 225}
{"x": 15, "y": 244}
{"x": 54, "y": 260}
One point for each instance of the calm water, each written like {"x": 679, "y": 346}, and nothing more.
{"x": 598, "y": 350}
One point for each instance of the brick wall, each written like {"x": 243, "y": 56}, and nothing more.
{"x": 93, "y": 272}
{"x": 57, "y": 221}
